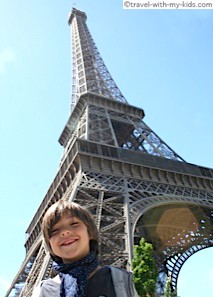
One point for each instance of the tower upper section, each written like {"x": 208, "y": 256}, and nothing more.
{"x": 90, "y": 74}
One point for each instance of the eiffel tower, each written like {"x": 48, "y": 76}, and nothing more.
{"x": 124, "y": 173}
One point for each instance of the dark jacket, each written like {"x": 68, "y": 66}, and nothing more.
{"x": 122, "y": 281}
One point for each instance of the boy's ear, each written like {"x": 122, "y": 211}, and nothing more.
{"x": 90, "y": 236}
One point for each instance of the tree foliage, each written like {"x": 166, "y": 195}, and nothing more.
{"x": 144, "y": 269}
{"x": 168, "y": 292}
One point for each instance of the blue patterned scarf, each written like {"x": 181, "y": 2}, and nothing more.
{"x": 74, "y": 275}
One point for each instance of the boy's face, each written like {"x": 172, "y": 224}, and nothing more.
{"x": 69, "y": 239}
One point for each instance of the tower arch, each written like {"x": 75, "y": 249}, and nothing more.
{"x": 171, "y": 223}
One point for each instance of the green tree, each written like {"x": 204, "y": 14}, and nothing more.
{"x": 144, "y": 269}
{"x": 168, "y": 292}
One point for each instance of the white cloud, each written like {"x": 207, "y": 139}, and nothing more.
{"x": 6, "y": 56}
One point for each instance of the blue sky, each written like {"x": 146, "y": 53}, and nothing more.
{"x": 161, "y": 60}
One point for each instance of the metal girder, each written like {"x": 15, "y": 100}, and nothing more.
{"x": 90, "y": 74}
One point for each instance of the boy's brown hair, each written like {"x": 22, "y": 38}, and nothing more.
{"x": 54, "y": 214}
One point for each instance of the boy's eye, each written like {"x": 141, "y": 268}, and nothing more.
{"x": 74, "y": 224}
{"x": 54, "y": 231}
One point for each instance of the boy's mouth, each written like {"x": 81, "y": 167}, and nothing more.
{"x": 68, "y": 242}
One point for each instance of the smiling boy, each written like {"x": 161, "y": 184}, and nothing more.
{"x": 72, "y": 238}
{"x": 69, "y": 239}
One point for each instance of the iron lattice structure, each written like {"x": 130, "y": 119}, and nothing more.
{"x": 114, "y": 164}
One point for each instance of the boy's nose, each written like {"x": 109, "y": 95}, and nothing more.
{"x": 65, "y": 232}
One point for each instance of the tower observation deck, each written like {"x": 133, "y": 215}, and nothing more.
{"x": 115, "y": 165}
